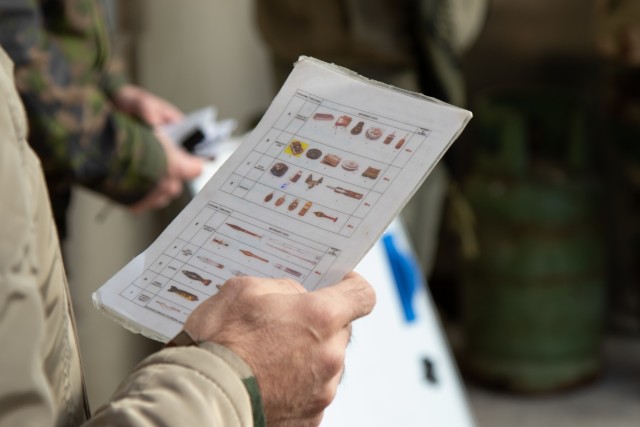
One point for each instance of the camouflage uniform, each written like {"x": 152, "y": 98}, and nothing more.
{"x": 66, "y": 75}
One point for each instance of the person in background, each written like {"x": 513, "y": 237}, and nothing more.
{"x": 412, "y": 44}
{"x": 88, "y": 124}
{"x": 261, "y": 351}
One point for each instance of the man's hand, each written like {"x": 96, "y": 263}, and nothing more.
{"x": 293, "y": 340}
{"x": 181, "y": 166}
{"x": 148, "y": 107}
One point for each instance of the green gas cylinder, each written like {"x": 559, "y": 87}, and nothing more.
{"x": 533, "y": 299}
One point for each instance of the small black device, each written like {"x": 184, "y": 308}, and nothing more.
{"x": 190, "y": 142}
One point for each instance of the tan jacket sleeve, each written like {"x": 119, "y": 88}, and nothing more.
{"x": 40, "y": 373}
{"x": 183, "y": 386}
{"x": 25, "y": 398}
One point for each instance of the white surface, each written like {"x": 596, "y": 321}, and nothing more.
{"x": 385, "y": 383}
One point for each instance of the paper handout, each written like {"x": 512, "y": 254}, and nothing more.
{"x": 333, "y": 160}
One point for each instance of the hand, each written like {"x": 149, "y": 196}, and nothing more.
{"x": 150, "y": 108}
{"x": 181, "y": 166}
{"x": 293, "y": 340}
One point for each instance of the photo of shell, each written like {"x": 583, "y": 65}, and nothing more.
{"x": 373, "y": 133}
{"x": 313, "y": 182}
{"x": 343, "y": 121}
{"x": 182, "y": 293}
{"x": 389, "y": 138}
{"x": 323, "y": 116}
{"x": 305, "y": 208}
{"x": 350, "y": 165}
{"x": 209, "y": 261}
{"x": 331, "y": 160}
{"x": 320, "y": 214}
{"x": 279, "y": 169}
{"x": 293, "y": 205}
{"x": 371, "y": 173}
{"x": 296, "y": 148}
{"x": 400, "y": 143}
{"x": 314, "y": 153}
{"x": 195, "y": 276}
{"x": 357, "y": 129}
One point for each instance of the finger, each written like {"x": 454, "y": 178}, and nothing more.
{"x": 164, "y": 192}
{"x": 350, "y": 299}
{"x": 147, "y": 203}
{"x": 167, "y": 189}
{"x": 180, "y": 164}
{"x": 171, "y": 114}
{"x": 162, "y": 116}
{"x": 154, "y": 201}
{"x": 189, "y": 167}
{"x": 171, "y": 188}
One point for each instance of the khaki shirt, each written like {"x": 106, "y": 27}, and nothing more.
{"x": 41, "y": 380}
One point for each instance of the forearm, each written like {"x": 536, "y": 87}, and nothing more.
{"x": 75, "y": 130}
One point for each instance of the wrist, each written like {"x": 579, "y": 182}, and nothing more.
{"x": 235, "y": 362}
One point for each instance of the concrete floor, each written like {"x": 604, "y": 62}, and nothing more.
{"x": 611, "y": 401}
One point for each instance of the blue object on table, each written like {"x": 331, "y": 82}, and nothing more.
{"x": 406, "y": 275}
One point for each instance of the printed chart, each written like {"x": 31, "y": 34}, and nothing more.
{"x": 219, "y": 244}
{"x": 323, "y": 164}
{"x": 305, "y": 196}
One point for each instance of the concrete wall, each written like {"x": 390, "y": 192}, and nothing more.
{"x": 201, "y": 52}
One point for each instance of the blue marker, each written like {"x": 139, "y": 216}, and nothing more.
{"x": 405, "y": 273}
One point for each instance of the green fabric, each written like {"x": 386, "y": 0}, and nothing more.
{"x": 244, "y": 372}
{"x": 66, "y": 75}
{"x": 377, "y": 38}
{"x": 256, "y": 401}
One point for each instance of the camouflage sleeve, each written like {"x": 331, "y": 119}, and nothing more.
{"x": 74, "y": 128}
{"x": 114, "y": 76}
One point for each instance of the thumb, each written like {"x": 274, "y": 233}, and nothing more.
{"x": 188, "y": 166}
{"x": 180, "y": 164}
{"x": 351, "y": 298}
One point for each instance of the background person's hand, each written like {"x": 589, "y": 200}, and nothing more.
{"x": 148, "y": 107}
{"x": 181, "y": 166}
{"x": 293, "y": 340}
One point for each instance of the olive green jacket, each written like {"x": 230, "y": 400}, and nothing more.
{"x": 381, "y": 39}
{"x": 41, "y": 379}
{"x": 65, "y": 74}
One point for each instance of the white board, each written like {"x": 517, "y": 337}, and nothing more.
{"x": 385, "y": 383}
{"x": 386, "y": 380}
